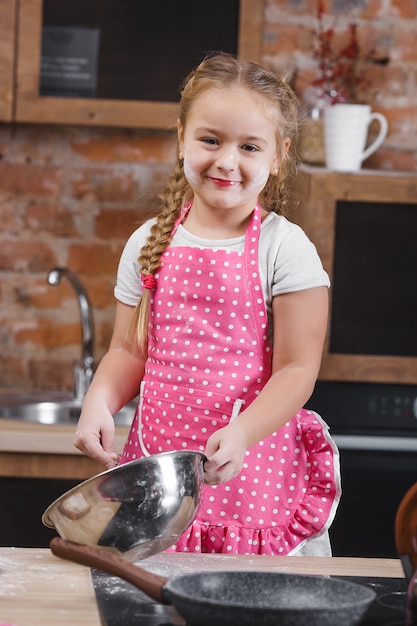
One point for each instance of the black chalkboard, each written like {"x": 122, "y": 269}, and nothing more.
{"x": 374, "y": 301}
{"x": 147, "y": 48}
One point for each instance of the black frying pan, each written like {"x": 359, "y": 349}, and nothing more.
{"x": 230, "y": 598}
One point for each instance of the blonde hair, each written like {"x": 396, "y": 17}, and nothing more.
{"x": 220, "y": 71}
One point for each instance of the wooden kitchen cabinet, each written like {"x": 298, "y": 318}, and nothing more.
{"x": 46, "y": 451}
{"x": 48, "y": 465}
{"x": 30, "y": 106}
{"x": 29, "y": 483}
{"x": 364, "y": 226}
{"x": 7, "y": 58}
{"x": 38, "y": 463}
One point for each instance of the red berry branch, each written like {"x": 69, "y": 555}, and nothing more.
{"x": 339, "y": 74}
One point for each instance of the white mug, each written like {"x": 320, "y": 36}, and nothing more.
{"x": 346, "y": 129}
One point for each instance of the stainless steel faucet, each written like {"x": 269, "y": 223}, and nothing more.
{"x": 82, "y": 375}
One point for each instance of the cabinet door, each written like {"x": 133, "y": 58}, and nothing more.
{"x": 7, "y": 38}
{"x": 141, "y": 113}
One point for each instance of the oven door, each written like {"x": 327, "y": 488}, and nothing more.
{"x": 375, "y": 428}
{"x": 376, "y": 473}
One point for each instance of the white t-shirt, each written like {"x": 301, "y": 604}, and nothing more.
{"x": 288, "y": 260}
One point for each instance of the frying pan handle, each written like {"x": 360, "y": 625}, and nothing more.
{"x": 102, "y": 559}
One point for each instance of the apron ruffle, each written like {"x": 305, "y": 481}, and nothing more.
{"x": 310, "y": 518}
{"x": 238, "y": 540}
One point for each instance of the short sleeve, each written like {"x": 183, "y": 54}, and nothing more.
{"x": 297, "y": 263}
{"x": 128, "y": 289}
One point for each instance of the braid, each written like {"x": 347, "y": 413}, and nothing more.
{"x": 150, "y": 255}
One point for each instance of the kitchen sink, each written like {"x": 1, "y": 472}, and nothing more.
{"x": 64, "y": 407}
{"x": 51, "y": 409}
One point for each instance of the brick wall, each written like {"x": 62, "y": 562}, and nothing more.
{"x": 71, "y": 196}
{"x": 68, "y": 197}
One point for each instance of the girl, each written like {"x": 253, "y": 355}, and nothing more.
{"x": 221, "y": 315}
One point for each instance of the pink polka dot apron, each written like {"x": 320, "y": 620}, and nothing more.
{"x": 209, "y": 357}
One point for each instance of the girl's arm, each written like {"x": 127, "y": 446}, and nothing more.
{"x": 300, "y": 321}
{"x": 115, "y": 383}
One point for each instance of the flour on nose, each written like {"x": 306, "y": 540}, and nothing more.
{"x": 227, "y": 163}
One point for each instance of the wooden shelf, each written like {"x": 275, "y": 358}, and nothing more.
{"x": 7, "y": 58}
{"x": 31, "y": 107}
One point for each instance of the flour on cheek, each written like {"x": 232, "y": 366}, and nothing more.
{"x": 190, "y": 173}
{"x": 259, "y": 180}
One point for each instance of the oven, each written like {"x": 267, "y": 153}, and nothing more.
{"x": 375, "y": 428}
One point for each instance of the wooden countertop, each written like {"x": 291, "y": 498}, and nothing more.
{"x": 30, "y": 450}
{"x": 46, "y": 451}
{"x": 27, "y": 437}
{"x": 34, "y": 450}
{"x": 39, "y": 589}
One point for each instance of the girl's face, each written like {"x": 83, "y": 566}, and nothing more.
{"x": 229, "y": 148}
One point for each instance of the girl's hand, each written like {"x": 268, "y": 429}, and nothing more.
{"x": 95, "y": 437}
{"x": 225, "y": 452}
{"x": 115, "y": 382}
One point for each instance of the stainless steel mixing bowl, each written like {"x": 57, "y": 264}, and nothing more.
{"x": 136, "y": 509}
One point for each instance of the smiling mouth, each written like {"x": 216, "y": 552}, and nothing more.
{"x": 221, "y": 182}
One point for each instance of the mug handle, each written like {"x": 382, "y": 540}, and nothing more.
{"x": 381, "y": 136}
